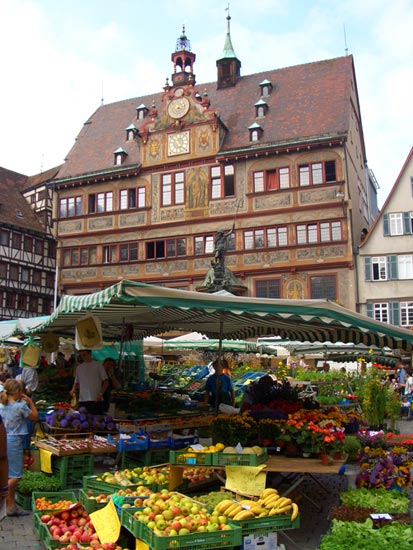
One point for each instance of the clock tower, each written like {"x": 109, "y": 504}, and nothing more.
{"x": 183, "y": 60}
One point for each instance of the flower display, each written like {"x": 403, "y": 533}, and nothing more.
{"x": 384, "y": 469}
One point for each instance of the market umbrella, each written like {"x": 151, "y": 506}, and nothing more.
{"x": 152, "y": 310}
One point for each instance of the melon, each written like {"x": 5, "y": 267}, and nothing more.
{"x": 247, "y": 451}
{"x": 229, "y": 450}
{"x": 257, "y": 450}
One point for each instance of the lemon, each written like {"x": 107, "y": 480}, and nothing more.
{"x": 219, "y": 446}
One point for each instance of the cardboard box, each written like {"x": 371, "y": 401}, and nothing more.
{"x": 260, "y": 542}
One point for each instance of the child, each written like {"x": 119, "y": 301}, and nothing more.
{"x": 15, "y": 407}
{"x": 405, "y": 406}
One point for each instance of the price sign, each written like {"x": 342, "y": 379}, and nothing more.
{"x": 249, "y": 480}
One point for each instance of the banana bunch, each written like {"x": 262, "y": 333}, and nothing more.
{"x": 270, "y": 503}
{"x": 275, "y": 504}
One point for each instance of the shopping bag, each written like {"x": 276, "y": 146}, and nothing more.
{"x": 50, "y": 342}
{"x": 88, "y": 333}
{"x": 30, "y": 354}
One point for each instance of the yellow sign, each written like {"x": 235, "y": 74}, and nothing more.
{"x": 46, "y": 461}
{"x": 249, "y": 480}
{"x": 106, "y": 523}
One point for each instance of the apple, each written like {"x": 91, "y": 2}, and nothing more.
{"x": 183, "y": 531}
{"x": 222, "y": 519}
{"x": 168, "y": 514}
{"x": 161, "y": 524}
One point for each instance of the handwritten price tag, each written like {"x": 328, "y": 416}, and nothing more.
{"x": 106, "y": 523}
{"x": 249, "y": 480}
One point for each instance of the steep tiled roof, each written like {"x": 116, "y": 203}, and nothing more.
{"x": 307, "y": 101}
{"x": 14, "y": 209}
{"x": 43, "y": 177}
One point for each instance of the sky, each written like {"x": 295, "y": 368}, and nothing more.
{"x": 59, "y": 58}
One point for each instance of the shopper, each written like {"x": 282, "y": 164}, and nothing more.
{"x": 15, "y": 407}
{"x": 222, "y": 382}
{"x": 90, "y": 382}
{"x": 30, "y": 382}
{"x": 114, "y": 380}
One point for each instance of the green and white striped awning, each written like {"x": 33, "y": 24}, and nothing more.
{"x": 19, "y": 327}
{"x": 153, "y": 310}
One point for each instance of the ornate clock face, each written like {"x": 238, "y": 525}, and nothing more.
{"x": 178, "y": 107}
{"x": 178, "y": 144}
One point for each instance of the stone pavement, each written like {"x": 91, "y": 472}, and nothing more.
{"x": 18, "y": 533}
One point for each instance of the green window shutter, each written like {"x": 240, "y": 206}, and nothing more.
{"x": 367, "y": 268}
{"x": 407, "y": 224}
{"x": 395, "y": 313}
{"x": 386, "y": 226}
{"x": 369, "y": 310}
{"x": 392, "y": 268}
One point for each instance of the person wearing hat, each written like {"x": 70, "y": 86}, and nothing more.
{"x": 91, "y": 381}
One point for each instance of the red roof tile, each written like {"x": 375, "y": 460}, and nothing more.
{"x": 307, "y": 101}
{"x": 14, "y": 209}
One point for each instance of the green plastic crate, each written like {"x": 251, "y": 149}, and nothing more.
{"x": 91, "y": 482}
{"x": 183, "y": 456}
{"x": 54, "y": 496}
{"x": 193, "y": 541}
{"x": 267, "y": 524}
{"x": 71, "y": 469}
{"x": 151, "y": 457}
{"x": 90, "y": 504}
{"x": 239, "y": 459}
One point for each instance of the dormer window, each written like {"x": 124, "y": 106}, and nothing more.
{"x": 261, "y": 108}
{"x": 120, "y": 156}
{"x": 255, "y": 131}
{"x": 131, "y": 132}
{"x": 141, "y": 111}
{"x": 266, "y": 88}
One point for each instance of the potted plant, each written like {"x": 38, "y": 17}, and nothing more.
{"x": 268, "y": 431}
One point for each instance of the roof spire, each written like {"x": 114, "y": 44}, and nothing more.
{"x": 228, "y": 64}
{"x": 228, "y": 52}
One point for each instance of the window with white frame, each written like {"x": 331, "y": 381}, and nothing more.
{"x": 70, "y": 206}
{"x": 317, "y": 173}
{"x": 379, "y": 268}
{"x": 254, "y": 135}
{"x": 173, "y": 188}
{"x": 222, "y": 181}
{"x": 396, "y": 223}
{"x": 406, "y": 314}
{"x": 100, "y": 202}
{"x": 405, "y": 266}
{"x": 132, "y": 198}
{"x": 381, "y": 312}
{"x": 271, "y": 237}
{"x": 271, "y": 180}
